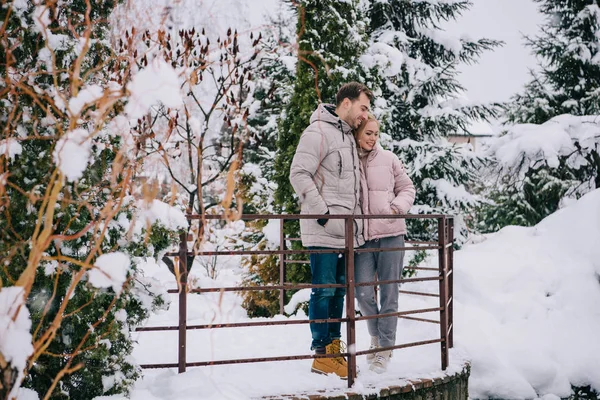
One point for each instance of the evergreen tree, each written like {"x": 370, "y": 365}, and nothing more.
{"x": 330, "y": 39}
{"x": 568, "y": 82}
{"x": 274, "y": 80}
{"x": 422, "y": 103}
{"x": 274, "y": 84}
{"x": 59, "y": 107}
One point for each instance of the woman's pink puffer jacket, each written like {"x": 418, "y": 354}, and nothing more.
{"x": 385, "y": 186}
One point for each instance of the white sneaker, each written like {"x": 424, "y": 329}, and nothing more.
{"x": 382, "y": 359}
{"x": 374, "y": 345}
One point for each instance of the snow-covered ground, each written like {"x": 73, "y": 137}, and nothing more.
{"x": 527, "y": 316}
{"x": 528, "y": 305}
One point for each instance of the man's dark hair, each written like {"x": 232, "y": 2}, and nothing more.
{"x": 352, "y": 91}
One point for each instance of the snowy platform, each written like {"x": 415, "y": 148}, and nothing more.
{"x": 410, "y": 368}
{"x": 448, "y": 387}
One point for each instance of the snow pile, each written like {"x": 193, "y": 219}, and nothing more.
{"x": 156, "y": 83}
{"x": 157, "y": 211}
{"x": 15, "y": 324}
{"x": 527, "y": 306}
{"x": 10, "y": 148}
{"x": 110, "y": 270}
{"x": 72, "y": 153}
{"x": 85, "y": 97}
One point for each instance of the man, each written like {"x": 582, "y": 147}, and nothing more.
{"x": 325, "y": 174}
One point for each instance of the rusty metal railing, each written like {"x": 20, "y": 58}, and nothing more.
{"x": 444, "y": 246}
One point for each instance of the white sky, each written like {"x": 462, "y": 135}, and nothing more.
{"x": 500, "y": 73}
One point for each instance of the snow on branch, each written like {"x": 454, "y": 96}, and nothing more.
{"x": 529, "y": 145}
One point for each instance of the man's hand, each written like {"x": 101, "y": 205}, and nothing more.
{"x": 323, "y": 221}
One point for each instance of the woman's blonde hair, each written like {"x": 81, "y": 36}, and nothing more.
{"x": 363, "y": 125}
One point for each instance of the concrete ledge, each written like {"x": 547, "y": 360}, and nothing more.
{"x": 449, "y": 387}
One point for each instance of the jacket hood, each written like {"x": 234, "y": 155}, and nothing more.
{"x": 326, "y": 113}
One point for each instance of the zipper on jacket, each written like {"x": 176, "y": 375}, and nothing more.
{"x": 356, "y": 191}
{"x": 341, "y": 128}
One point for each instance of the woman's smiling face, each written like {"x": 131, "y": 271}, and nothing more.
{"x": 369, "y": 136}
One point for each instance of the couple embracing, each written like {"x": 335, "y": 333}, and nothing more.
{"x": 340, "y": 168}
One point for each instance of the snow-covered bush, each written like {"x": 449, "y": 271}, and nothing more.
{"x": 560, "y": 159}
{"x": 72, "y": 237}
{"x": 540, "y": 168}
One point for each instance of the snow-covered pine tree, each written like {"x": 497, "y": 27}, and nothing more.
{"x": 330, "y": 39}
{"x": 274, "y": 76}
{"x": 274, "y": 80}
{"x": 65, "y": 204}
{"x": 422, "y": 103}
{"x": 567, "y": 82}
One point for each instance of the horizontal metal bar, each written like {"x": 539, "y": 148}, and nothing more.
{"x": 242, "y": 324}
{"x": 289, "y": 286}
{"x": 403, "y": 280}
{"x": 156, "y": 328}
{"x": 419, "y": 293}
{"x": 381, "y": 250}
{"x": 256, "y": 252}
{"x": 296, "y": 261}
{"x": 433, "y": 321}
{"x": 286, "y": 358}
{"x": 290, "y": 252}
{"x": 259, "y": 288}
{"x": 286, "y": 322}
{"x": 423, "y": 268}
{"x": 245, "y": 360}
{"x": 425, "y": 279}
{"x": 398, "y": 314}
{"x": 318, "y": 216}
{"x": 400, "y": 346}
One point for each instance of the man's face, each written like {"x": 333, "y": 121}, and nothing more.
{"x": 357, "y": 110}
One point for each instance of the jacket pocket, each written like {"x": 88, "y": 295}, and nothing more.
{"x": 337, "y": 227}
{"x": 389, "y": 208}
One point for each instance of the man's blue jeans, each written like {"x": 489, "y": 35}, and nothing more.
{"x": 326, "y": 302}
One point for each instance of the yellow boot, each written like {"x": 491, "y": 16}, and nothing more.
{"x": 337, "y": 347}
{"x": 333, "y": 365}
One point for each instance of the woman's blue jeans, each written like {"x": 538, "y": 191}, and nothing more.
{"x": 326, "y": 302}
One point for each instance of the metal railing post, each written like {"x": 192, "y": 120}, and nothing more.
{"x": 451, "y": 283}
{"x": 350, "y": 311}
{"x": 281, "y": 268}
{"x": 182, "y": 301}
{"x": 443, "y": 291}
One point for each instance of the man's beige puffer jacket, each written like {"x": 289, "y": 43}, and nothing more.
{"x": 325, "y": 174}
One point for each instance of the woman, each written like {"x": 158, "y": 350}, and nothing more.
{"x": 385, "y": 189}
